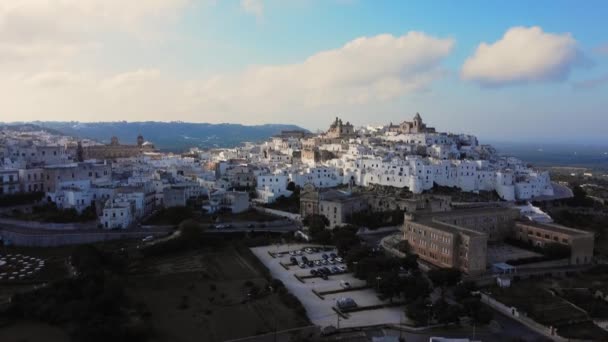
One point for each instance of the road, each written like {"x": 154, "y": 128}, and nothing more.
{"x": 505, "y": 329}
{"x": 280, "y": 226}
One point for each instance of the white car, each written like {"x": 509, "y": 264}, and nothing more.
{"x": 302, "y": 265}
{"x": 345, "y": 284}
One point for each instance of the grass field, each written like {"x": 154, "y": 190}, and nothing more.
{"x": 203, "y": 296}
{"x": 539, "y": 304}
{"x": 32, "y": 332}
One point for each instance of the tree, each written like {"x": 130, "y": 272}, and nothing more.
{"x": 316, "y": 228}
{"x": 444, "y": 277}
{"x": 556, "y": 250}
{"x": 478, "y": 312}
{"x": 413, "y": 288}
{"x": 404, "y": 246}
{"x": 190, "y": 231}
{"x": 345, "y": 239}
{"x": 418, "y": 311}
{"x": 446, "y": 313}
{"x": 463, "y": 290}
{"x": 291, "y": 186}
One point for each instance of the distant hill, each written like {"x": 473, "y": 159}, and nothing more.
{"x": 169, "y": 136}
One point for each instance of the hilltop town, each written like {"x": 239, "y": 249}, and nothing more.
{"x": 375, "y": 209}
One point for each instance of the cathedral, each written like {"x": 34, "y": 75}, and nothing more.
{"x": 415, "y": 126}
{"x": 117, "y": 150}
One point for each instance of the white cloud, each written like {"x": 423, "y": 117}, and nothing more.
{"x": 255, "y": 7}
{"x": 44, "y": 31}
{"x": 365, "y": 70}
{"x": 55, "y": 79}
{"x": 364, "y": 73}
{"x": 523, "y": 55}
{"x": 130, "y": 79}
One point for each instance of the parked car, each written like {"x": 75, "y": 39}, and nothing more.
{"x": 292, "y": 252}
{"x": 318, "y": 262}
{"x": 293, "y": 260}
{"x": 342, "y": 268}
{"x": 346, "y": 303}
{"x": 324, "y": 261}
{"x": 148, "y": 238}
{"x": 339, "y": 259}
{"x": 324, "y": 256}
{"x": 311, "y": 264}
{"x": 309, "y": 250}
{"x": 251, "y": 225}
{"x": 302, "y": 265}
{"x": 335, "y": 270}
{"x": 345, "y": 284}
{"x": 298, "y": 252}
{"x": 326, "y": 270}
{"x": 313, "y": 272}
{"x": 304, "y": 259}
{"x": 324, "y": 277}
{"x": 331, "y": 261}
{"x": 333, "y": 255}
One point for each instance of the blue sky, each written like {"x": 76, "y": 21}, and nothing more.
{"x": 543, "y": 75}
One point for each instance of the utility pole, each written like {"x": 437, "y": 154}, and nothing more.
{"x": 338, "y": 319}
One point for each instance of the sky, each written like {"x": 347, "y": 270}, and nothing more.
{"x": 503, "y": 70}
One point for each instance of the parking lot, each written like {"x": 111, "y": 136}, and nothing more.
{"x": 319, "y": 306}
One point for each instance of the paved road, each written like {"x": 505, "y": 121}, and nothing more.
{"x": 243, "y": 227}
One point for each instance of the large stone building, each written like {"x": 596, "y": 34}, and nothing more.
{"x": 116, "y": 150}
{"x": 414, "y": 126}
{"x": 340, "y": 130}
{"x": 56, "y": 176}
{"x": 9, "y": 181}
{"x": 459, "y": 239}
{"x": 335, "y": 205}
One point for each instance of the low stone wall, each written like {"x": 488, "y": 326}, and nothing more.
{"x": 280, "y": 213}
{"x": 512, "y": 312}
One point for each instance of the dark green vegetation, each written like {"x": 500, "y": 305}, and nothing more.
{"x": 92, "y": 306}
{"x": 461, "y": 196}
{"x": 50, "y": 213}
{"x": 376, "y": 219}
{"x": 212, "y": 288}
{"x": 554, "y": 307}
{"x": 174, "y": 215}
{"x": 170, "y": 136}
{"x": 20, "y": 199}
{"x": 581, "y": 211}
{"x": 191, "y": 287}
{"x": 400, "y": 281}
{"x": 290, "y": 204}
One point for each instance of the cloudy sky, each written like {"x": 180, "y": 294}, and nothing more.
{"x": 507, "y": 70}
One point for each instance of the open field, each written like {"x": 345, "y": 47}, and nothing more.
{"x": 32, "y": 332}
{"x": 539, "y": 304}
{"x": 203, "y": 296}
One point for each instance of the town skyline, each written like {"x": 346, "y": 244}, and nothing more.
{"x": 186, "y": 61}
